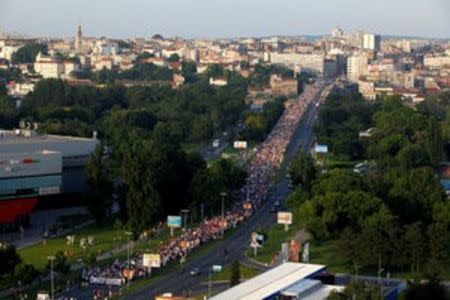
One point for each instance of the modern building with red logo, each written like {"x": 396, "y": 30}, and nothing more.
{"x": 34, "y": 167}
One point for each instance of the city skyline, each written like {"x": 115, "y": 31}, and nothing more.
{"x": 214, "y": 19}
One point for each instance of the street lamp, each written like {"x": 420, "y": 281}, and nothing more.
{"x": 129, "y": 234}
{"x": 223, "y": 194}
{"x": 52, "y": 283}
{"x": 185, "y": 212}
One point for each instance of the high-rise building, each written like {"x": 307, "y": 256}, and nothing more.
{"x": 371, "y": 41}
{"x": 357, "y": 66}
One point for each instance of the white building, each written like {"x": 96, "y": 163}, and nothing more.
{"x": 48, "y": 67}
{"x": 371, "y": 41}
{"x": 7, "y": 51}
{"x": 219, "y": 81}
{"x": 337, "y": 32}
{"x": 357, "y": 66}
{"x": 105, "y": 48}
{"x": 313, "y": 62}
{"x": 436, "y": 62}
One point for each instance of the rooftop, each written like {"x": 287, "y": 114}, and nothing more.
{"x": 270, "y": 282}
{"x": 10, "y": 142}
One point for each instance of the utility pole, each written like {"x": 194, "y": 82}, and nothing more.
{"x": 52, "y": 282}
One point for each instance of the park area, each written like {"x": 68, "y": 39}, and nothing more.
{"x": 108, "y": 241}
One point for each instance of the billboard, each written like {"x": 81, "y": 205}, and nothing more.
{"x": 174, "y": 221}
{"x": 284, "y": 217}
{"x": 30, "y": 164}
{"x": 260, "y": 238}
{"x": 151, "y": 260}
{"x": 240, "y": 144}
{"x": 217, "y": 268}
{"x": 320, "y": 148}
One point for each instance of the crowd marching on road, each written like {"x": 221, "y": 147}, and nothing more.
{"x": 261, "y": 170}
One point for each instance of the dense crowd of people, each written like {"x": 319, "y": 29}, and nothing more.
{"x": 261, "y": 170}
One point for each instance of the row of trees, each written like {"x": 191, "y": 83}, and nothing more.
{"x": 194, "y": 112}
{"x": 397, "y": 213}
{"x": 258, "y": 124}
{"x": 340, "y": 121}
{"x": 139, "y": 71}
{"x": 158, "y": 179}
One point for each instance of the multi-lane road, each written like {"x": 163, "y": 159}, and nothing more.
{"x": 237, "y": 243}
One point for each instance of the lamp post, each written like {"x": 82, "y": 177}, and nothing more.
{"x": 129, "y": 234}
{"x": 223, "y": 194}
{"x": 185, "y": 212}
{"x": 52, "y": 283}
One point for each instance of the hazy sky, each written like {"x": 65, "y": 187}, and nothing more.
{"x": 226, "y": 18}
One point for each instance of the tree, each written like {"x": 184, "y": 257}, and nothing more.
{"x": 438, "y": 244}
{"x": 26, "y": 273}
{"x": 255, "y": 127}
{"x": 174, "y": 57}
{"x": 339, "y": 180}
{"x": 8, "y": 112}
{"x": 303, "y": 170}
{"x": 60, "y": 264}
{"x": 189, "y": 71}
{"x": 142, "y": 199}
{"x": 431, "y": 289}
{"x": 214, "y": 70}
{"x": 28, "y": 53}
{"x": 90, "y": 259}
{"x": 3, "y": 90}
{"x": 413, "y": 195}
{"x": 9, "y": 258}
{"x": 413, "y": 249}
{"x": 378, "y": 235}
{"x": 235, "y": 274}
{"x": 100, "y": 196}
{"x": 412, "y": 156}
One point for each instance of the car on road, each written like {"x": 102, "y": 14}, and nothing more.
{"x": 276, "y": 203}
{"x": 195, "y": 272}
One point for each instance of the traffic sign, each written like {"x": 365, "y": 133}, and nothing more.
{"x": 284, "y": 217}
{"x": 174, "y": 221}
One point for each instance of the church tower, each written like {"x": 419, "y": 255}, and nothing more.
{"x": 78, "y": 39}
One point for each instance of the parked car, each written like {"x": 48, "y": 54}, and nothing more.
{"x": 194, "y": 272}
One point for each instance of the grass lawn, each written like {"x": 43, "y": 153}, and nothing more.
{"x": 326, "y": 253}
{"x": 246, "y": 273}
{"x": 105, "y": 237}
{"x": 275, "y": 237}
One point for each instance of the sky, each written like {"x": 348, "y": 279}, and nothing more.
{"x": 225, "y": 18}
